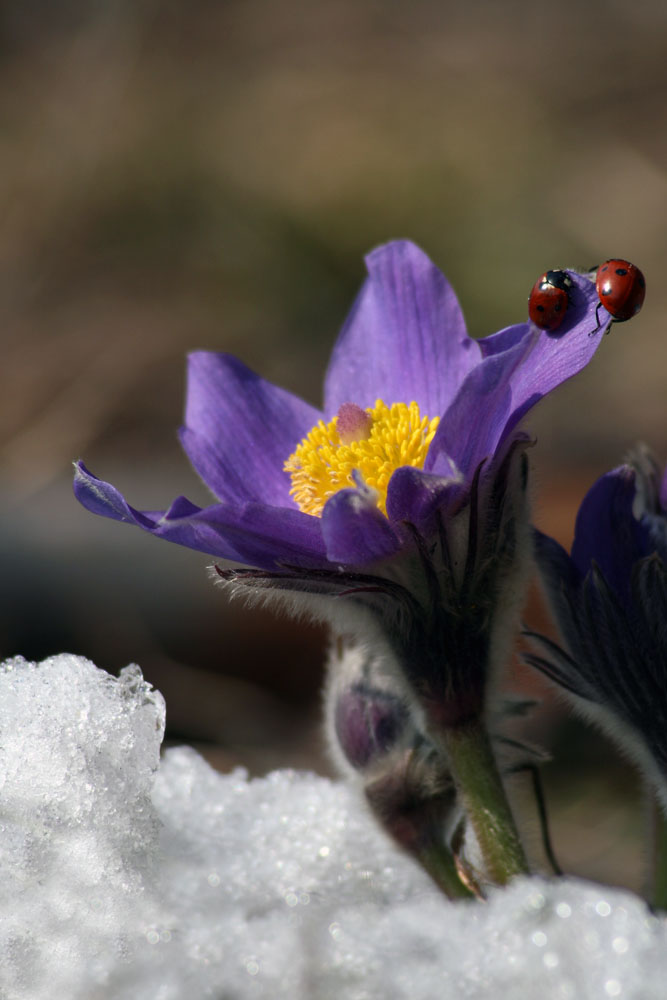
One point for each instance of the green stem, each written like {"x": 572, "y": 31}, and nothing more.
{"x": 657, "y": 855}
{"x": 440, "y": 865}
{"x": 482, "y": 795}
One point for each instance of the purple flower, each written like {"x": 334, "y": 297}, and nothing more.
{"x": 404, "y": 496}
{"x": 609, "y": 599}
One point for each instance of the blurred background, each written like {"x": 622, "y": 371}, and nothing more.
{"x": 209, "y": 175}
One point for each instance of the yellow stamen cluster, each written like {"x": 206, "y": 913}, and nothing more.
{"x": 322, "y": 464}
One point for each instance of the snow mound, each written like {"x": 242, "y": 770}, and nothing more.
{"x": 123, "y": 878}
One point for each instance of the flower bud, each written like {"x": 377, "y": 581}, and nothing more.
{"x": 609, "y": 600}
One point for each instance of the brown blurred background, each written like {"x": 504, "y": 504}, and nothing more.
{"x": 208, "y": 175}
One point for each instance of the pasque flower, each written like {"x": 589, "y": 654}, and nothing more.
{"x": 609, "y": 599}
{"x": 405, "y": 494}
{"x": 404, "y": 498}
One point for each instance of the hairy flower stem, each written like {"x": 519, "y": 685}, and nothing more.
{"x": 657, "y": 855}
{"x": 482, "y": 796}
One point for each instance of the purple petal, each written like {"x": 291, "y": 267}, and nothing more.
{"x": 405, "y": 338}
{"x": 259, "y": 535}
{"x": 473, "y": 425}
{"x": 104, "y": 499}
{"x": 254, "y": 534}
{"x": 239, "y": 430}
{"x": 355, "y": 530}
{"x": 503, "y": 340}
{"x": 556, "y": 357}
{"x": 608, "y": 533}
{"x": 415, "y": 496}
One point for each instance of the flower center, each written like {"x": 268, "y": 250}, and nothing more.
{"x": 371, "y": 443}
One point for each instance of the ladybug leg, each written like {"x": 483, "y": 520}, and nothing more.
{"x": 597, "y": 320}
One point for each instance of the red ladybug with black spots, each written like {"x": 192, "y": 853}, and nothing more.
{"x": 621, "y": 289}
{"x": 549, "y": 300}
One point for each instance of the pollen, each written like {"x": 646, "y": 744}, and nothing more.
{"x": 370, "y": 443}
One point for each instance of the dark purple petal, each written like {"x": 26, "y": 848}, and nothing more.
{"x": 254, "y": 534}
{"x": 608, "y": 533}
{"x": 473, "y": 425}
{"x": 239, "y": 430}
{"x": 648, "y": 502}
{"x": 355, "y": 530}
{"x": 405, "y": 338}
{"x": 415, "y": 496}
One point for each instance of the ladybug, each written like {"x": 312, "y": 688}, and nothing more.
{"x": 549, "y": 299}
{"x": 621, "y": 289}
